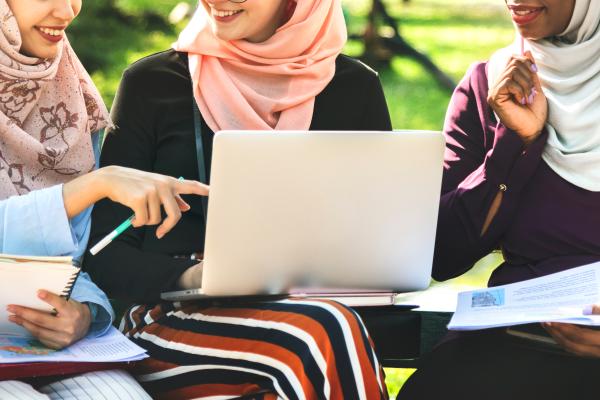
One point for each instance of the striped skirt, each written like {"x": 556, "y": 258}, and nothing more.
{"x": 289, "y": 349}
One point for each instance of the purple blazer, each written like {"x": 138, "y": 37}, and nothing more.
{"x": 544, "y": 225}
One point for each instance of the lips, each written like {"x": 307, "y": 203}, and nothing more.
{"x": 52, "y": 34}
{"x": 225, "y": 16}
{"x": 523, "y": 15}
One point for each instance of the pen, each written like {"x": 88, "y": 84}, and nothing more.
{"x": 531, "y": 96}
{"x": 116, "y": 232}
{"x": 522, "y": 46}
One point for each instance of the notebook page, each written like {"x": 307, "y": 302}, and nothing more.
{"x": 20, "y": 282}
{"x": 17, "y": 258}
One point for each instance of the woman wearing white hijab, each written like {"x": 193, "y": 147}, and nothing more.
{"x": 522, "y": 173}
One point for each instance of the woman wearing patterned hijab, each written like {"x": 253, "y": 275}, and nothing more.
{"x": 254, "y": 64}
{"x": 50, "y": 118}
{"x": 523, "y": 174}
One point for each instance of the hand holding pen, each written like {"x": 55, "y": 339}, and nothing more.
{"x": 517, "y": 97}
{"x": 147, "y": 194}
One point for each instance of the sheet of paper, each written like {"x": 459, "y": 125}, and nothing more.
{"x": 111, "y": 347}
{"x": 560, "y": 297}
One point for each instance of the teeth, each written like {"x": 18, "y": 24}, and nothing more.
{"x": 51, "y": 32}
{"x": 222, "y": 14}
{"x": 523, "y": 12}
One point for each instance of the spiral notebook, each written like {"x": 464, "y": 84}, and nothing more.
{"x": 22, "y": 276}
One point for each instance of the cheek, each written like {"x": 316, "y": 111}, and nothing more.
{"x": 563, "y": 12}
{"x": 76, "y": 7}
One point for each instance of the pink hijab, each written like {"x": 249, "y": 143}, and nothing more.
{"x": 48, "y": 110}
{"x": 268, "y": 85}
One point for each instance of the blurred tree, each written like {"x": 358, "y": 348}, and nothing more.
{"x": 380, "y": 48}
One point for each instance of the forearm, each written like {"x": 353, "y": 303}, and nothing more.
{"x": 474, "y": 216}
{"x": 36, "y": 224}
{"x": 83, "y": 191}
{"x": 85, "y": 291}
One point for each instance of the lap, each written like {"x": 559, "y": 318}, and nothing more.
{"x": 494, "y": 365}
{"x": 285, "y": 346}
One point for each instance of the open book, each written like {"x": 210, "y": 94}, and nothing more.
{"x": 20, "y": 279}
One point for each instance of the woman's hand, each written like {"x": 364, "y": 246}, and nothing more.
{"x": 191, "y": 277}
{"x": 582, "y": 341}
{"x": 518, "y": 99}
{"x": 70, "y": 323}
{"x": 145, "y": 193}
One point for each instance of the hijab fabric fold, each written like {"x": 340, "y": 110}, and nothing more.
{"x": 48, "y": 110}
{"x": 569, "y": 69}
{"x": 240, "y": 85}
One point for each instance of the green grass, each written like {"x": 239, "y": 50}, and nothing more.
{"x": 454, "y": 34}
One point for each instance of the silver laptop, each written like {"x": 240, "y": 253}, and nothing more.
{"x": 326, "y": 209}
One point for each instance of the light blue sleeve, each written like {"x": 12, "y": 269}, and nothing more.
{"x": 37, "y": 224}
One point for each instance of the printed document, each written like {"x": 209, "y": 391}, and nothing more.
{"x": 561, "y": 297}
{"x": 111, "y": 347}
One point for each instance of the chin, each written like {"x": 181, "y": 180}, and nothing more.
{"x": 533, "y": 34}
{"x": 43, "y": 53}
{"x": 226, "y": 36}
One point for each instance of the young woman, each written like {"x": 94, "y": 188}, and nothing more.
{"x": 523, "y": 173}
{"x": 255, "y": 64}
{"x": 50, "y": 116}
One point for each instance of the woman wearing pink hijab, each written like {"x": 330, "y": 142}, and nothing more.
{"x": 255, "y": 64}
{"x": 50, "y": 118}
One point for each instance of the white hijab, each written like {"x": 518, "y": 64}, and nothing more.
{"x": 569, "y": 69}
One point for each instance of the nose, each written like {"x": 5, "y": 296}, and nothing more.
{"x": 65, "y": 10}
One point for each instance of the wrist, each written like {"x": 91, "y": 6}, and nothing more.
{"x": 529, "y": 139}
{"x": 80, "y": 193}
{"x": 101, "y": 184}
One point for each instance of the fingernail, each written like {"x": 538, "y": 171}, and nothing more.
{"x": 588, "y": 310}
{"x": 160, "y": 235}
{"x": 10, "y": 309}
{"x": 534, "y": 91}
{"x": 41, "y": 294}
{"x": 12, "y": 318}
{"x": 530, "y": 98}
{"x": 534, "y": 68}
{"x": 523, "y": 100}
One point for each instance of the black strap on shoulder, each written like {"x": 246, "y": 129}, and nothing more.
{"x": 202, "y": 175}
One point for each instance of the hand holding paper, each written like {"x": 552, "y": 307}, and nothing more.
{"x": 578, "y": 340}
{"x": 55, "y": 330}
{"x": 560, "y": 297}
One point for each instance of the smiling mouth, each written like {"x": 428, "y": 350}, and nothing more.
{"x": 224, "y": 13}
{"x": 51, "y": 34}
{"x": 522, "y": 15}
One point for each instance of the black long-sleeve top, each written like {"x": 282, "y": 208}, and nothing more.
{"x": 154, "y": 131}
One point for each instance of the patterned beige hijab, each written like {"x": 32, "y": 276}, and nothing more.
{"x": 48, "y": 110}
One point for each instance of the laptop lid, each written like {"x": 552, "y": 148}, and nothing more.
{"x": 330, "y": 209}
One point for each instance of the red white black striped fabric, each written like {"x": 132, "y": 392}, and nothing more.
{"x": 287, "y": 349}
